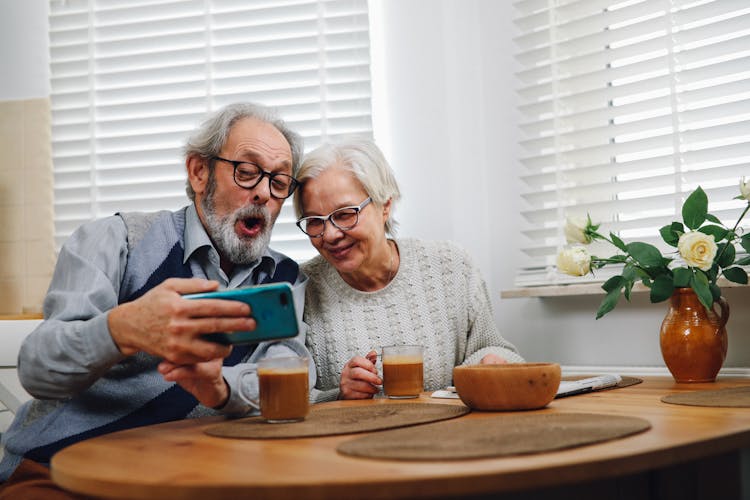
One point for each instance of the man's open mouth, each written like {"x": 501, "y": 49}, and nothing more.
{"x": 250, "y": 226}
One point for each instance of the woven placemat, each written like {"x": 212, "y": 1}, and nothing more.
{"x": 326, "y": 421}
{"x": 496, "y": 436}
{"x": 733, "y": 397}
{"x": 626, "y": 381}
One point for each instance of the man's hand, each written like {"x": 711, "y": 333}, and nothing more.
{"x": 202, "y": 380}
{"x": 359, "y": 378}
{"x": 166, "y": 325}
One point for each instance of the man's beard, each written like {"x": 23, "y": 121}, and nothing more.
{"x": 238, "y": 250}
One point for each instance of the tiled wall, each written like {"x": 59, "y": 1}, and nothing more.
{"x": 27, "y": 251}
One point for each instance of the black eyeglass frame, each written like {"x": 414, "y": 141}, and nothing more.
{"x": 263, "y": 173}
{"x": 328, "y": 218}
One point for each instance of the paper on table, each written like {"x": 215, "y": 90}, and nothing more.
{"x": 572, "y": 387}
{"x": 447, "y": 393}
{"x": 443, "y": 394}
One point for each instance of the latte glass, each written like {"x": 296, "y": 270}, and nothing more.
{"x": 403, "y": 371}
{"x": 284, "y": 389}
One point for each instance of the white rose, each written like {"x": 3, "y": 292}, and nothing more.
{"x": 697, "y": 249}
{"x": 745, "y": 188}
{"x": 574, "y": 261}
{"x": 575, "y": 230}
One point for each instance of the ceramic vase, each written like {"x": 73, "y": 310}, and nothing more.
{"x": 694, "y": 339}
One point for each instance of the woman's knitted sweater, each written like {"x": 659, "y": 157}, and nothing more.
{"x": 437, "y": 299}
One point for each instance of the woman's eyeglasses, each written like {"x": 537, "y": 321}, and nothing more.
{"x": 344, "y": 218}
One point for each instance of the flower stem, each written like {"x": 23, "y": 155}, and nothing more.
{"x": 733, "y": 233}
{"x": 599, "y": 236}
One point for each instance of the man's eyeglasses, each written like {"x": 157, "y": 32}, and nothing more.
{"x": 344, "y": 218}
{"x": 248, "y": 175}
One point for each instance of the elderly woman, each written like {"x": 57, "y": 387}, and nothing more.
{"x": 367, "y": 289}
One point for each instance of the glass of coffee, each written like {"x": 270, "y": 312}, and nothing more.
{"x": 403, "y": 371}
{"x": 284, "y": 389}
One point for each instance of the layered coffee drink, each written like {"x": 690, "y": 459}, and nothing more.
{"x": 284, "y": 393}
{"x": 403, "y": 371}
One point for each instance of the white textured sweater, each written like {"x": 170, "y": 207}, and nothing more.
{"x": 437, "y": 299}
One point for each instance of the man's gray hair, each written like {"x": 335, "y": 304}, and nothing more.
{"x": 361, "y": 157}
{"x": 207, "y": 141}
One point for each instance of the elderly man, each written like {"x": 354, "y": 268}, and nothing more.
{"x": 120, "y": 347}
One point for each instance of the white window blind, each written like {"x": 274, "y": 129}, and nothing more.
{"x": 131, "y": 79}
{"x": 626, "y": 107}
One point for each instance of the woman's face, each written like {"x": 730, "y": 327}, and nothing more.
{"x": 359, "y": 249}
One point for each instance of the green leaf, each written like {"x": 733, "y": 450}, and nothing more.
{"x": 713, "y": 218}
{"x": 745, "y": 242}
{"x": 613, "y": 283}
{"x": 662, "y": 271}
{"x": 669, "y": 235}
{"x": 744, "y": 262}
{"x": 626, "y": 291}
{"x": 718, "y": 232}
{"x": 645, "y": 254}
{"x": 682, "y": 277}
{"x": 695, "y": 209}
{"x": 699, "y": 283}
{"x": 728, "y": 254}
{"x": 618, "y": 242}
{"x": 662, "y": 288}
{"x": 609, "y": 303}
{"x": 736, "y": 274}
{"x": 630, "y": 273}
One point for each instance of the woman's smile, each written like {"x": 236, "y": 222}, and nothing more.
{"x": 339, "y": 252}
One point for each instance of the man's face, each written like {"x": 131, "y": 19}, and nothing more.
{"x": 238, "y": 220}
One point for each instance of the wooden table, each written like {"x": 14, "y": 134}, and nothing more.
{"x": 688, "y": 450}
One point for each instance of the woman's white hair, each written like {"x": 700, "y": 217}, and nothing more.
{"x": 361, "y": 157}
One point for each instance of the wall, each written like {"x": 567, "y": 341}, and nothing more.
{"x": 27, "y": 250}
{"x": 450, "y": 132}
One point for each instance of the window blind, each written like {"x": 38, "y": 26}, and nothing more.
{"x": 626, "y": 107}
{"x": 130, "y": 80}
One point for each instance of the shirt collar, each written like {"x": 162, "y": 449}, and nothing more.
{"x": 195, "y": 234}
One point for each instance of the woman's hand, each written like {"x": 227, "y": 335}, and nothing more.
{"x": 493, "y": 359}
{"x": 359, "y": 378}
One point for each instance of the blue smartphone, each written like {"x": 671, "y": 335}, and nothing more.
{"x": 272, "y": 306}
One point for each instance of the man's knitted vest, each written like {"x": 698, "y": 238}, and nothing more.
{"x": 132, "y": 393}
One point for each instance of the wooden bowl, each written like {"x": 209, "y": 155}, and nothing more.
{"x": 517, "y": 386}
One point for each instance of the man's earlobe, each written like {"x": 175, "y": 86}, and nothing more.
{"x": 197, "y": 170}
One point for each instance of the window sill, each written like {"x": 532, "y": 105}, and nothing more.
{"x": 592, "y": 288}
{"x": 4, "y": 317}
